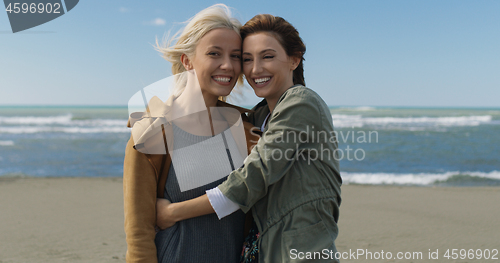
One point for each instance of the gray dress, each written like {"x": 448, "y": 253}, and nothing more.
{"x": 201, "y": 239}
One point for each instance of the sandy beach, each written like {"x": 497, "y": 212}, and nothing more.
{"x": 61, "y": 220}
{"x": 416, "y": 219}
{"x": 81, "y": 220}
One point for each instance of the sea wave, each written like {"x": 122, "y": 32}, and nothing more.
{"x": 62, "y": 119}
{"x": 360, "y": 108}
{"x": 40, "y": 129}
{"x": 425, "y": 179}
{"x": 6, "y": 143}
{"x": 63, "y": 123}
{"x": 67, "y": 119}
{"x": 412, "y": 123}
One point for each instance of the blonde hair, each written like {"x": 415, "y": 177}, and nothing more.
{"x": 186, "y": 39}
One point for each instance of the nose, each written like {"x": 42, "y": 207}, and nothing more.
{"x": 227, "y": 64}
{"x": 256, "y": 67}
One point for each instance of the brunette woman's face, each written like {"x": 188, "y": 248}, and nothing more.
{"x": 217, "y": 61}
{"x": 266, "y": 65}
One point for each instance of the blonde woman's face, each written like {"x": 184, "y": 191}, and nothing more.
{"x": 217, "y": 61}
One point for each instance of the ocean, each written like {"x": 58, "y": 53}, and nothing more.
{"x": 377, "y": 145}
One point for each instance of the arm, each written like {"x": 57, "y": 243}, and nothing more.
{"x": 139, "y": 194}
{"x": 287, "y": 140}
{"x": 170, "y": 213}
{"x": 295, "y": 117}
{"x": 215, "y": 202}
{"x": 247, "y": 185}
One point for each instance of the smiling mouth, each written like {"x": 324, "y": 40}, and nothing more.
{"x": 261, "y": 81}
{"x": 222, "y": 79}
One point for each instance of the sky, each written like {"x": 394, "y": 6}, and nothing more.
{"x": 359, "y": 53}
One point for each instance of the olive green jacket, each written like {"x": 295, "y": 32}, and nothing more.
{"x": 291, "y": 179}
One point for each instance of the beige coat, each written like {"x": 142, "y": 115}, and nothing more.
{"x": 142, "y": 184}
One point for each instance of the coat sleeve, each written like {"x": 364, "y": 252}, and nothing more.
{"x": 139, "y": 194}
{"x": 287, "y": 139}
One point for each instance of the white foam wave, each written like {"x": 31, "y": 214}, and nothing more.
{"x": 39, "y": 129}
{"x": 343, "y": 120}
{"x": 59, "y": 120}
{"x": 409, "y": 179}
{"x": 6, "y": 143}
{"x": 63, "y": 119}
{"x": 100, "y": 122}
{"x": 361, "y": 108}
{"x": 63, "y": 123}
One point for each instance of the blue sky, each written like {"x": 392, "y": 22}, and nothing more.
{"x": 359, "y": 53}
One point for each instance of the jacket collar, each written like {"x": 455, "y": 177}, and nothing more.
{"x": 262, "y": 103}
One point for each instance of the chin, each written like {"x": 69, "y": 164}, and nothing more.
{"x": 260, "y": 93}
{"x": 221, "y": 91}
{"x": 224, "y": 94}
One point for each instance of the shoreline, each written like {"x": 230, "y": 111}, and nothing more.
{"x": 470, "y": 181}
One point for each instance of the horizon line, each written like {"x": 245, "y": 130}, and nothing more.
{"x": 245, "y": 106}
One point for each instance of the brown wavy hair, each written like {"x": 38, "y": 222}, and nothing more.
{"x": 286, "y": 34}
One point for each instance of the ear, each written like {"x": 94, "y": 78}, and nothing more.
{"x": 295, "y": 62}
{"x": 186, "y": 62}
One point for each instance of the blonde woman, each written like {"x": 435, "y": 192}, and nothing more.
{"x": 209, "y": 46}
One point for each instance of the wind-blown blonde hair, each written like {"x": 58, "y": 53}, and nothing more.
{"x": 186, "y": 39}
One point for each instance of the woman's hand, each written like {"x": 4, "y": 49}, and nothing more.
{"x": 164, "y": 213}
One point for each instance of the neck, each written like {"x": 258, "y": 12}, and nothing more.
{"x": 272, "y": 101}
{"x": 210, "y": 99}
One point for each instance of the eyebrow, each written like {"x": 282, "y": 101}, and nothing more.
{"x": 263, "y": 51}
{"x": 217, "y": 47}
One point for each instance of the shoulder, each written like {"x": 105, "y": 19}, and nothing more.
{"x": 300, "y": 94}
{"x": 299, "y": 98}
{"x": 300, "y": 104}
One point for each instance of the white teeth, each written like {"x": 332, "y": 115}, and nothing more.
{"x": 222, "y": 79}
{"x": 262, "y": 80}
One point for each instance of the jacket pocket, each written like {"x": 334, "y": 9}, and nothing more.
{"x": 308, "y": 243}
